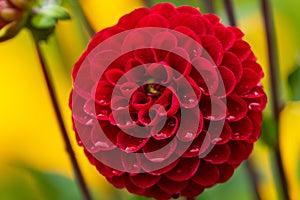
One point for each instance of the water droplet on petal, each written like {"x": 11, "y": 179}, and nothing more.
{"x": 189, "y": 135}
{"x": 101, "y": 144}
{"x": 216, "y": 140}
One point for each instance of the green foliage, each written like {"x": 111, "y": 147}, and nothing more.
{"x": 269, "y": 131}
{"x": 42, "y": 21}
{"x": 294, "y": 84}
{"x": 30, "y": 184}
{"x": 55, "y": 12}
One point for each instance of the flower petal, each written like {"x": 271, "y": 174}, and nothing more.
{"x": 242, "y": 129}
{"x": 159, "y": 150}
{"x": 170, "y": 186}
{"x": 218, "y": 155}
{"x": 153, "y": 20}
{"x": 213, "y": 47}
{"x": 232, "y": 62}
{"x": 207, "y": 174}
{"x": 237, "y": 108}
{"x": 144, "y": 180}
{"x": 184, "y": 170}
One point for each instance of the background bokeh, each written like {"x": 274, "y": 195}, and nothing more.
{"x": 33, "y": 162}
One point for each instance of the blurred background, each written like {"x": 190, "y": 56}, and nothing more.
{"x": 33, "y": 162}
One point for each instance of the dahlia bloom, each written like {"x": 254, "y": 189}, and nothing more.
{"x": 167, "y": 102}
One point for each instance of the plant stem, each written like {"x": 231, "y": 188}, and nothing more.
{"x": 82, "y": 16}
{"x": 62, "y": 127}
{"x": 274, "y": 79}
{"x": 209, "y": 4}
{"x": 230, "y": 12}
{"x": 251, "y": 171}
{"x": 253, "y": 178}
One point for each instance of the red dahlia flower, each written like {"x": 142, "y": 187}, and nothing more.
{"x": 167, "y": 102}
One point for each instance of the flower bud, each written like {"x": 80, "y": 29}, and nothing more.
{"x": 13, "y": 15}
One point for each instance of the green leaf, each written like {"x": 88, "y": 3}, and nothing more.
{"x": 56, "y": 12}
{"x": 42, "y": 21}
{"x": 26, "y": 183}
{"x": 269, "y": 130}
{"x": 294, "y": 84}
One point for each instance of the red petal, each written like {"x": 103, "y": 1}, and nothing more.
{"x": 199, "y": 146}
{"x": 131, "y": 187}
{"x": 165, "y": 9}
{"x": 242, "y": 129}
{"x": 157, "y": 193}
{"x": 192, "y": 190}
{"x": 238, "y": 153}
{"x": 114, "y": 75}
{"x": 183, "y": 19}
{"x": 219, "y": 108}
{"x": 139, "y": 100}
{"x": 184, "y": 170}
{"x": 117, "y": 181}
{"x": 205, "y": 75}
{"x": 218, "y": 155}
{"x": 232, "y": 62}
{"x": 158, "y": 168}
{"x": 160, "y": 73}
{"x": 130, "y": 20}
{"x": 188, "y": 92}
{"x": 188, "y": 10}
{"x": 144, "y": 180}
{"x": 169, "y": 128}
{"x": 180, "y": 61}
{"x": 159, "y": 151}
{"x": 131, "y": 162}
{"x": 229, "y": 82}
{"x": 136, "y": 39}
{"x": 241, "y": 49}
{"x": 191, "y": 124}
{"x": 79, "y": 114}
{"x": 218, "y": 137}
{"x": 103, "y": 93}
{"x": 152, "y": 20}
{"x": 237, "y": 108}
{"x": 256, "y": 99}
{"x": 213, "y": 47}
{"x": 214, "y": 19}
{"x": 226, "y": 171}
{"x": 207, "y": 174}
{"x": 238, "y": 33}
{"x": 105, "y": 138}
{"x": 226, "y": 37}
{"x": 256, "y": 119}
{"x": 171, "y": 187}
{"x": 254, "y": 66}
{"x": 129, "y": 143}
{"x": 249, "y": 80}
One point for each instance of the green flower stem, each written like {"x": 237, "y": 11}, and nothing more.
{"x": 253, "y": 177}
{"x": 249, "y": 166}
{"x": 274, "y": 80}
{"x": 230, "y": 12}
{"x": 69, "y": 149}
{"x": 82, "y": 16}
{"x": 210, "y": 7}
